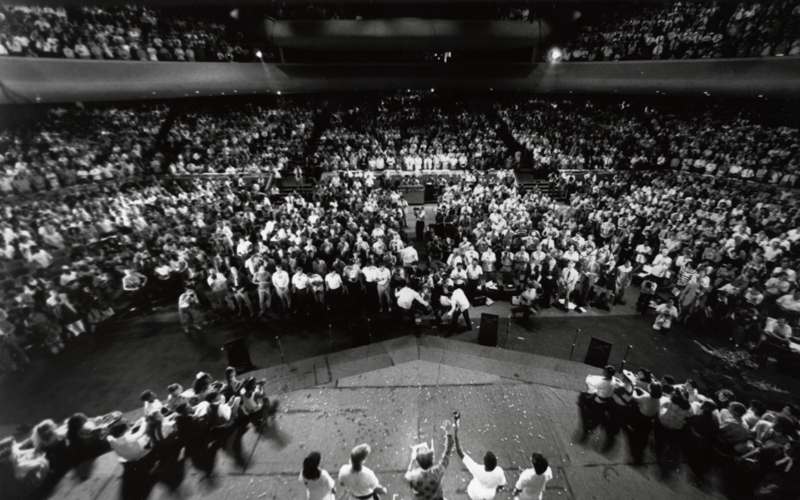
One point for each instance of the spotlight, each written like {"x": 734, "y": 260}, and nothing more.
{"x": 258, "y": 54}
{"x": 556, "y": 54}
{"x": 279, "y": 92}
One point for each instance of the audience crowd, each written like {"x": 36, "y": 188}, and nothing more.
{"x": 133, "y": 32}
{"x": 124, "y": 32}
{"x": 242, "y": 139}
{"x": 78, "y": 146}
{"x": 688, "y": 30}
{"x": 193, "y": 424}
{"x": 410, "y": 131}
{"x": 755, "y": 448}
{"x": 621, "y": 135}
{"x": 695, "y": 213}
{"x": 75, "y": 260}
{"x": 711, "y": 251}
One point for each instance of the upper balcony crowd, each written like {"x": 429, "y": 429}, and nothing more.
{"x": 680, "y": 30}
{"x": 688, "y": 30}
{"x": 127, "y": 33}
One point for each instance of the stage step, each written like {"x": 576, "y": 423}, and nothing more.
{"x": 328, "y": 370}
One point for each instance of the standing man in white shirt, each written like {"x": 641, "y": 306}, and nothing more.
{"x": 567, "y": 282}
{"x": 353, "y": 284}
{"x": 532, "y": 482}
{"x": 459, "y": 307}
{"x": 370, "y": 273}
{"x": 300, "y": 290}
{"x": 487, "y": 479}
{"x": 383, "y": 277}
{"x": 334, "y": 287}
{"x": 262, "y": 279}
{"x": 488, "y": 258}
{"x": 474, "y": 278}
{"x": 594, "y": 402}
{"x": 280, "y": 280}
{"x": 134, "y": 449}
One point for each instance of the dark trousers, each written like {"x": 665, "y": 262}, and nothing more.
{"x": 592, "y": 412}
{"x": 643, "y": 302}
{"x": 525, "y": 310}
{"x": 639, "y": 435}
{"x": 420, "y": 230}
{"x": 667, "y": 442}
{"x": 138, "y": 478}
{"x": 354, "y": 295}
{"x": 456, "y": 314}
{"x": 472, "y": 288}
{"x": 618, "y": 418}
{"x": 301, "y": 300}
{"x": 371, "y": 299}
{"x": 334, "y": 298}
{"x": 548, "y": 291}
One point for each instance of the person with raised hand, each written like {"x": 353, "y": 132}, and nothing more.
{"x": 487, "y": 479}
{"x": 423, "y": 476}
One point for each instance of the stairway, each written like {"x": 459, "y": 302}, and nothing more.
{"x": 160, "y": 144}
{"x": 290, "y": 185}
{"x": 526, "y": 157}
{"x": 531, "y": 183}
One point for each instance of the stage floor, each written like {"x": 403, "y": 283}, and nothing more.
{"x": 396, "y": 394}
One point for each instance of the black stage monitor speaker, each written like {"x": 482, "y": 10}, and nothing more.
{"x": 598, "y": 353}
{"x": 238, "y": 355}
{"x": 487, "y": 335}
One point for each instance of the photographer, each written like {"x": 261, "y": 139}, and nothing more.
{"x": 188, "y": 305}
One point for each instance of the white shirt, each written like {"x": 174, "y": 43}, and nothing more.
{"x": 597, "y": 384}
{"x": 334, "y": 281}
{"x": 409, "y": 255}
{"x": 320, "y": 488}
{"x": 223, "y": 410}
{"x": 474, "y": 273}
{"x": 154, "y": 407}
{"x": 360, "y": 483}
{"x": 370, "y": 274}
{"x": 382, "y": 276}
{"x": 406, "y": 296}
{"x": 484, "y": 483}
{"x": 131, "y": 446}
{"x": 300, "y": 281}
{"x": 280, "y": 279}
{"x": 532, "y": 484}
{"x": 459, "y": 300}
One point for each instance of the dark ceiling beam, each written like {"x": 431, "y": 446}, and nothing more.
{"x": 404, "y": 34}
{"x": 31, "y": 80}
